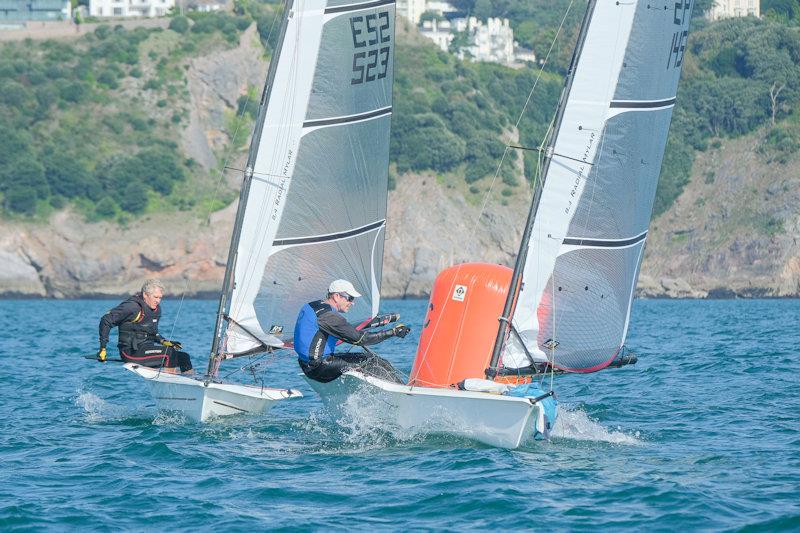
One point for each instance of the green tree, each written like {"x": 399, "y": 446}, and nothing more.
{"x": 133, "y": 197}
{"x": 483, "y": 9}
{"x": 430, "y": 15}
{"x": 107, "y": 208}
{"x": 21, "y": 199}
{"x": 179, "y": 24}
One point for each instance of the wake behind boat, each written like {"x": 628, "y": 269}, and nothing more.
{"x": 313, "y": 202}
{"x": 566, "y": 305}
{"x": 492, "y": 418}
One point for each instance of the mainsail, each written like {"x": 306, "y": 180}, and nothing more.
{"x": 313, "y": 201}
{"x": 601, "y": 172}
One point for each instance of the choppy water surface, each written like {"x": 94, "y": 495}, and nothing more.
{"x": 703, "y": 433}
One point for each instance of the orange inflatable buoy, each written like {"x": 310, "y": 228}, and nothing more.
{"x": 461, "y": 324}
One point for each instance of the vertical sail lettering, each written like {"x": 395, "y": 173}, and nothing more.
{"x": 678, "y": 47}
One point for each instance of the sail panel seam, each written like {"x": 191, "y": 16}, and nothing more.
{"x": 330, "y": 236}
{"x": 606, "y": 243}
{"x": 358, "y": 7}
{"x": 347, "y": 118}
{"x": 642, "y": 104}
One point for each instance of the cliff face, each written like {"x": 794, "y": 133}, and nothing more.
{"x": 733, "y": 235}
{"x": 732, "y": 232}
{"x": 429, "y": 228}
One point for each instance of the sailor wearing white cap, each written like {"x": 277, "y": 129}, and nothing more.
{"x": 320, "y": 326}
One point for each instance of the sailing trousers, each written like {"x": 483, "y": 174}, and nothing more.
{"x": 152, "y": 354}
{"x": 328, "y": 368}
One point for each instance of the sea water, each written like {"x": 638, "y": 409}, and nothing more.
{"x": 703, "y": 433}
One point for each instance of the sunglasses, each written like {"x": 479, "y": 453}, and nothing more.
{"x": 346, "y": 296}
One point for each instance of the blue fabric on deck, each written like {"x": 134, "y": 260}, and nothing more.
{"x": 532, "y": 390}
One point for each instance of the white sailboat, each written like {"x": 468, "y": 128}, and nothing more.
{"x": 313, "y": 202}
{"x": 565, "y": 306}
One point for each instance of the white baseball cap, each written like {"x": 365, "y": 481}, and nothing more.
{"x": 342, "y": 285}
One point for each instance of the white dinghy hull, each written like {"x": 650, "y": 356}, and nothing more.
{"x": 201, "y": 402}
{"x": 493, "y": 419}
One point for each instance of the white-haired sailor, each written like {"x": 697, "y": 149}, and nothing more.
{"x": 139, "y": 341}
{"x": 320, "y": 326}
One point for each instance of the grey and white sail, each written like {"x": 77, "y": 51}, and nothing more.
{"x": 315, "y": 206}
{"x": 589, "y": 232}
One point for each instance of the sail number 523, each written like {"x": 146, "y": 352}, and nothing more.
{"x": 372, "y": 32}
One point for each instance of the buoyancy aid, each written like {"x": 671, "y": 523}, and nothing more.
{"x": 140, "y": 328}
{"x": 306, "y": 330}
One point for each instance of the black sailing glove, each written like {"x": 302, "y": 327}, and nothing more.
{"x": 400, "y": 330}
{"x": 382, "y": 320}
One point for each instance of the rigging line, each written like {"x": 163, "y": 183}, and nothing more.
{"x": 544, "y": 63}
{"x": 581, "y": 161}
{"x": 553, "y": 344}
{"x": 539, "y": 149}
{"x": 215, "y": 191}
{"x": 537, "y": 175}
{"x": 289, "y": 96}
{"x": 264, "y": 174}
{"x": 251, "y": 361}
{"x": 207, "y": 216}
{"x": 502, "y": 159}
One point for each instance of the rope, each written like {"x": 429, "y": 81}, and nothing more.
{"x": 546, "y": 57}
{"x": 488, "y": 193}
{"x": 218, "y": 184}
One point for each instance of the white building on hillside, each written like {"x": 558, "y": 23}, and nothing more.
{"x": 130, "y": 8}
{"x": 440, "y": 32}
{"x": 411, "y": 9}
{"x": 440, "y": 8}
{"x": 734, "y": 8}
{"x": 492, "y": 42}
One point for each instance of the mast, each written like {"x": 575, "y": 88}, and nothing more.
{"x": 519, "y": 264}
{"x": 227, "y": 280}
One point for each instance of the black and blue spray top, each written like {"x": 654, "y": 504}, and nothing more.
{"x": 319, "y": 327}
{"x": 136, "y": 321}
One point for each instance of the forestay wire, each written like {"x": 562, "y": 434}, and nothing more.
{"x": 540, "y": 150}
{"x": 221, "y": 176}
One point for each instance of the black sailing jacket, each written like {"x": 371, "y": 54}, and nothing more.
{"x": 136, "y": 321}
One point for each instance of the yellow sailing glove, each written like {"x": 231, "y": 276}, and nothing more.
{"x": 101, "y": 355}
{"x": 171, "y": 344}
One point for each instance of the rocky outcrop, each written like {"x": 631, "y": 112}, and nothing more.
{"x": 732, "y": 233}
{"x": 215, "y": 83}
{"x": 69, "y": 258}
{"x": 431, "y": 227}
{"x": 667, "y": 288}
{"x": 734, "y": 230}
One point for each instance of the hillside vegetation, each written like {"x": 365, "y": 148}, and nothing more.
{"x": 94, "y": 121}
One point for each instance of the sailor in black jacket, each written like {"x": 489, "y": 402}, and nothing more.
{"x": 139, "y": 341}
